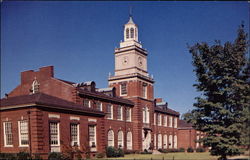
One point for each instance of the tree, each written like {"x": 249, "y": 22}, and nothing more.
{"x": 222, "y": 109}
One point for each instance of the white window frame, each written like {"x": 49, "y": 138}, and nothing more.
{"x": 175, "y": 122}
{"x": 5, "y": 135}
{"x": 89, "y": 103}
{"x": 111, "y": 142}
{"x": 78, "y": 135}
{"x": 159, "y": 119}
{"x": 175, "y": 141}
{"x": 95, "y": 141}
{"x": 129, "y": 141}
{"x": 120, "y": 109}
{"x": 154, "y": 141}
{"x": 121, "y": 93}
{"x": 159, "y": 141}
{"x": 170, "y": 141}
{"x": 145, "y": 115}
{"x": 111, "y": 111}
{"x": 120, "y": 139}
{"x": 20, "y": 134}
{"x": 165, "y": 141}
{"x": 170, "y": 121}
{"x": 98, "y": 102}
{"x": 128, "y": 112}
{"x": 58, "y": 134}
{"x": 164, "y": 121}
{"x": 35, "y": 86}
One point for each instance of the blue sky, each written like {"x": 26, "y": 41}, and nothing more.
{"x": 79, "y": 38}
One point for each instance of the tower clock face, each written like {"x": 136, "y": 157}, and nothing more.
{"x": 140, "y": 61}
{"x": 125, "y": 60}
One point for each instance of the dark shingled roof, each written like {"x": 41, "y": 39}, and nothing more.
{"x": 184, "y": 125}
{"x": 68, "y": 82}
{"x": 105, "y": 97}
{"x": 44, "y": 100}
{"x": 167, "y": 110}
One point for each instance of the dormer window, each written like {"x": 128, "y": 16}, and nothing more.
{"x": 132, "y": 31}
{"x": 123, "y": 90}
{"x": 35, "y": 86}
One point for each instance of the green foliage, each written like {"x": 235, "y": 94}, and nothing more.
{"x": 200, "y": 150}
{"x": 181, "y": 149}
{"x": 190, "y": 149}
{"x": 113, "y": 152}
{"x": 8, "y": 156}
{"x": 57, "y": 156}
{"x": 222, "y": 110}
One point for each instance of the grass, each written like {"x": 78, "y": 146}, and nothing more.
{"x": 172, "y": 156}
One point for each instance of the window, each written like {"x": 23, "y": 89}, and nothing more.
{"x": 110, "y": 138}
{"x": 74, "y": 132}
{"x": 128, "y": 114}
{"x": 170, "y": 140}
{"x": 197, "y": 142}
{"x": 170, "y": 121}
{"x": 175, "y": 122}
{"x": 120, "y": 139}
{"x": 127, "y": 33}
{"x": 123, "y": 88}
{"x": 8, "y": 139}
{"x": 144, "y": 91}
{"x": 175, "y": 141}
{"x": 35, "y": 86}
{"x": 132, "y": 32}
{"x": 119, "y": 112}
{"x": 109, "y": 111}
{"x": 92, "y": 136}
{"x": 99, "y": 106}
{"x": 54, "y": 134}
{"x": 164, "y": 123}
{"x": 165, "y": 141}
{"x": 159, "y": 141}
{"x": 87, "y": 103}
{"x": 154, "y": 118}
{"x": 145, "y": 115}
{"x": 23, "y": 133}
{"x": 129, "y": 140}
{"x": 159, "y": 120}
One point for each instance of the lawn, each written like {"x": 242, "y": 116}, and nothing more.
{"x": 172, "y": 156}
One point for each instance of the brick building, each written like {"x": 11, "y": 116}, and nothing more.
{"x": 46, "y": 114}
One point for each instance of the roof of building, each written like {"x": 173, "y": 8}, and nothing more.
{"x": 184, "y": 125}
{"x": 105, "y": 97}
{"x": 166, "y": 110}
{"x": 104, "y": 89}
{"x": 130, "y": 20}
{"x": 44, "y": 100}
{"x": 65, "y": 81}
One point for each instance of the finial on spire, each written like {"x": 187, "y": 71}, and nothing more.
{"x": 130, "y": 11}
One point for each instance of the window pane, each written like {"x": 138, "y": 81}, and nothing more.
{"x": 8, "y": 133}
{"x": 24, "y": 138}
{"x": 54, "y": 134}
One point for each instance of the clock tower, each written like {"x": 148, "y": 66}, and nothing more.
{"x": 132, "y": 81}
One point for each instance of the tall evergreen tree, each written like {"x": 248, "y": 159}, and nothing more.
{"x": 222, "y": 109}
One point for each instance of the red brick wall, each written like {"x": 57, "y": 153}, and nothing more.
{"x": 186, "y": 138}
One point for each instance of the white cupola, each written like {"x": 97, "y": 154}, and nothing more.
{"x": 130, "y": 30}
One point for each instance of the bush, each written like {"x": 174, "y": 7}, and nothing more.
{"x": 56, "y": 156}
{"x": 181, "y": 149}
{"x": 23, "y": 156}
{"x": 146, "y": 152}
{"x": 8, "y": 156}
{"x": 200, "y": 150}
{"x": 111, "y": 152}
{"x": 131, "y": 152}
{"x": 100, "y": 155}
{"x": 190, "y": 149}
{"x": 120, "y": 153}
{"x": 163, "y": 150}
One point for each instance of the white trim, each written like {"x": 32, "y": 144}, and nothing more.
{"x": 121, "y": 89}
{"x": 129, "y": 143}
{"x": 111, "y": 110}
{"x": 74, "y": 118}
{"x": 95, "y": 139}
{"x": 130, "y": 115}
{"x": 122, "y": 139}
{"x": 19, "y": 134}
{"x": 121, "y": 118}
{"x": 78, "y": 135}
{"x": 91, "y": 120}
{"x": 4, "y": 134}
{"x": 112, "y": 140}
{"x": 54, "y": 116}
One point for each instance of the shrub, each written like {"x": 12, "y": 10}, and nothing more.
{"x": 200, "y": 150}
{"x": 8, "y": 156}
{"x": 146, "y": 152}
{"x": 163, "y": 150}
{"x": 100, "y": 155}
{"x": 190, "y": 149}
{"x": 130, "y": 152}
{"x": 111, "y": 152}
{"x": 181, "y": 149}
{"x": 56, "y": 156}
{"x": 23, "y": 155}
{"x": 120, "y": 153}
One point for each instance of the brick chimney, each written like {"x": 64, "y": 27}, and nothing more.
{"x": 44, "y": 73}
{"x": 158, "y": 100}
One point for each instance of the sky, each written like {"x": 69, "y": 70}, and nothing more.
{"x": 78, "y": 38}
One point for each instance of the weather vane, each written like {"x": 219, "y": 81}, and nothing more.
{"x": 130, "y": 11}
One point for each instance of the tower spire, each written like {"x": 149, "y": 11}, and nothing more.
{"x": 130, "y": 11}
